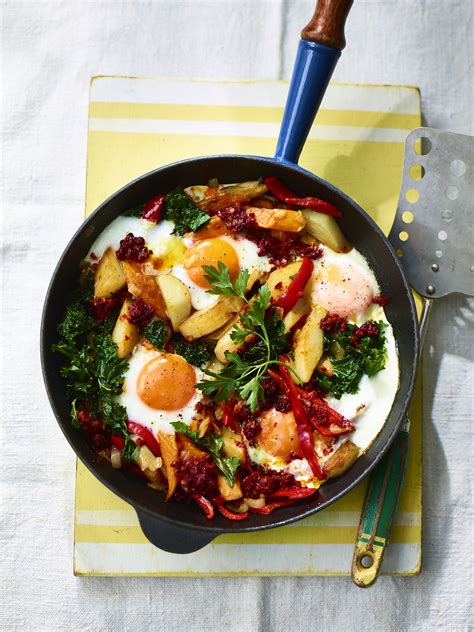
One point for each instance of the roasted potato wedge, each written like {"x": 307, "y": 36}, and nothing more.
{"x": 280, "y": 279}
{"x": 214, "y": 199}
{"x": 216, "y": 335}
{"x": 327, "y": 231}
{"x": 144, "y": 286}
{"x": 176, "y": 297}
{"x": 278, "y": 219}
{"x": 169, "y": 452}
{"x": 205, "y": 321}
{"x": 109, "y": 276}
{"x": 342, "y": 459}
{"x": 226, "y": 491}
{"x": 295, "y": 314}
{"x": 125, "y": 334}
{"x": 325, "y": 365}
{"x": 232, "y": 445}
{"x": 308, "y": 345}
{"x": 226, "y": 344}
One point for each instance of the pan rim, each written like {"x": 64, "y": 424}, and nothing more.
{"x": 214, "y": 530}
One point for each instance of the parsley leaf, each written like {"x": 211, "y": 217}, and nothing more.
{"x": 130, "y": 450}
{"x": 244, "y": 371}
{"x": 219, "y": 279}
{"x": 213, "y": 444}
{"x": 186, "y": 216}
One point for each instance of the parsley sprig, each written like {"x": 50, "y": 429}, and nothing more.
{"x": 260, "y": 323}
{"x": 213, "y": 444}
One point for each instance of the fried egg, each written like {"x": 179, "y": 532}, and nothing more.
{"x": 277, "y": 445}
{"x": 299, "y": 468}
{"x": 160, "y": 388}
{"x": 158, "y": 237}
{"x": 371, "y": 405}
{"x": 236, "y": 254}
{"x": 343, "y": 283}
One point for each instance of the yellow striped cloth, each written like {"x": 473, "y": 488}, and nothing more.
{"x": 357, "y": 143}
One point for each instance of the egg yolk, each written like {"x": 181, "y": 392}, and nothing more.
{"x": 210, "y": 252}
{"x": 344, "y": 290}
{"x": 278, "y": 435}
{"x": 166, "y": 382}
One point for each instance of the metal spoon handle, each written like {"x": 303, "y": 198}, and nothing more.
{"x": 382, "y": 498}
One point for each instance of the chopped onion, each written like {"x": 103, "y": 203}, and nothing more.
{"x": 213, "y": 183}
{"x": 151, "y": 271}
{"x": 255, "y": 503}
{"x": 115, "y": 458}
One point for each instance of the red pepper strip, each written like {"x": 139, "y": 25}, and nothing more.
{"x": 267, "y": 509}
{"x": 302, "y": 425}
{"x": 146, "y": 436}
{"x": 219, "y": 500}
{"x": 228, "y": 416}
{"x": 315, "y": 204}
{"x": 205, "y": 505}
{"x": 118, "y": 442}
{"x": 153, "y": 208}
{"x": 336, "y": 425}
{"x": 278, "y": 189}
{"x": 231, "y": 515}
{"x": 299, "y": 323}
{"x": 284, "y": 194}
{"x": 136, "y": 470}
{"x": 295, "y": 290}
{"x": 295, "y": 492}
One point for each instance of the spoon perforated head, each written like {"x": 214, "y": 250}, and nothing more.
{"x": 433, "y": 227}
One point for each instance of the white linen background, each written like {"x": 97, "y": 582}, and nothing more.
{"x": 50, "y": 49}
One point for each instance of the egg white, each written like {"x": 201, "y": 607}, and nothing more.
{"x": 200, "y": 297}
{"x": 370, "y": 406}
{"x": 158, "y": 237}
{"x": 138, "y": 411}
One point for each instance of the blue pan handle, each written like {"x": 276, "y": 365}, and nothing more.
{"x": 318, "y": 52}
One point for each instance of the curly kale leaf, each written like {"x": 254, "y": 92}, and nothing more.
{"x": 351, "y": 362}
{"x": 180, "y": 209}
{"x": 158, "y": 333}
{"x": 196, "y": 353}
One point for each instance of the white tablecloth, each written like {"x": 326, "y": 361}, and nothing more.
{"x": 50, "y": 50}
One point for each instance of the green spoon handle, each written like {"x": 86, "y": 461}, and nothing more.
{"x": 380, "y": 506}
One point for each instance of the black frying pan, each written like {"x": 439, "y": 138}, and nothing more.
{"x": 181, "y": 527}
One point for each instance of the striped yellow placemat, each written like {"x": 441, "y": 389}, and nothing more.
{"x": 357, "y": 143}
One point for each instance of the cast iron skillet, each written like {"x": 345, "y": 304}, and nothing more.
{"x": 181, "y": 527}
